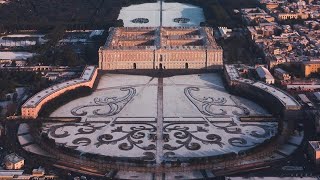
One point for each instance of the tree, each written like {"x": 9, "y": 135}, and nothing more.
{"x": 8, "y": 98}
{"x": 15, "y": 97}
{"x": 70, "y": 57}
{"x": 310, "y": 26}
{"x": 13, "y": 63}
{"x": 204, "y": 24}
{"x": 119, "y": 23}
{"x": 277, "y": 32}
{"x": 11, "y": 108}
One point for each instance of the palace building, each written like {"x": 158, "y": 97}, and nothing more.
{"x": 160, "y": 48}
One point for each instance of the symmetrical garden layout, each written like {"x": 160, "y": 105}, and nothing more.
{"x": 173, "y": 15}
{"x": 151, "y": 118}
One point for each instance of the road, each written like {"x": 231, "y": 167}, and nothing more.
{"x": 161, "y": 2}
{"x": 159, "y": 153}
{"x": 159, "y": 121}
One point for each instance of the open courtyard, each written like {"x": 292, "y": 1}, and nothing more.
{"x": 150, "y": 118}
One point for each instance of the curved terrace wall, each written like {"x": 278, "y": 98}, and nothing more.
{"x": 267, "y": 100}
{"x": 31, "y": 108}
{"x": 149, "y": 165}
{"x": 278, "y": 102}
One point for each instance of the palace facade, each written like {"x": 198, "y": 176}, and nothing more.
{"x": 160, "y": 48}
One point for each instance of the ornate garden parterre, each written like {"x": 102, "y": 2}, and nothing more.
{"x": 207, "y": 125}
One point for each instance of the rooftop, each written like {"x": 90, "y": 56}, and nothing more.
{"x": 37, "y": 98}
{"x": 232, "y": 72}
{"x": 264, "y": 73}
{"x": 281, "y": 95}
{"x": 15, "y": 55}
{"x": 310, "y": 62}
{"x": 280, "y": 70}
{"x": 285, "y": 98}
{"x": 317, "y": 94}
{"x": 11, "y": 172}
{"x": 137, "y": 38}
{"x": 14, "y": 158}
{"x": 315, "y": 145}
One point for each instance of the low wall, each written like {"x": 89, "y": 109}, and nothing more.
{"x": 258, "y": 119}
{"x": 263, "y": 98}
{"x": 267, "y": 100}
{"x": 32, "y": 111}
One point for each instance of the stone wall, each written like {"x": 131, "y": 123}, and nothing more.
{"x": 33, "y": 112}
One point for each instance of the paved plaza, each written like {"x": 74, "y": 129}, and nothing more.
{"x": 151, "y": 118}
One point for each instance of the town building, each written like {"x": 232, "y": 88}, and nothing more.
{"x": 225, "y": 32}
{"x": 13, "y": 162}
{"x": 310, "y": 67}
{"x": 265, "y": 75}
{"x": 314, "y": 151}
{"x": 278, "y": 44}
{"x": 19, "y": 58}
{"x": 21, "y": 175}
{"x": 38, "y": 172}
{"x": 272, "y": 5}
{"x": 305, "y": 100}
{"x": 281, "y": 74}
{"x": 285, "y": 16}
{"x": 302, "y": 86}
{"x": 317, "y": 95}
{"x": 263, "y": 30}
{"x": 160, "y": 48}
{"x": 277, "y": 101}
{"x": 251, "y": 15}
{"x": 52, "y": 76}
